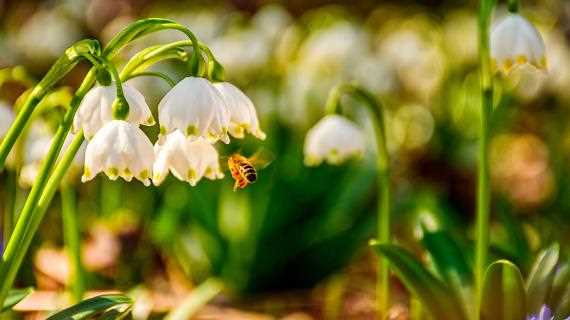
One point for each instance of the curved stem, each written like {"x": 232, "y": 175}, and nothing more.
{"x": 60, "y": 68}
{"x": 160, "y": 75}
{"x": 483, "y": 184}
{"x": 72, "y": 239}
{"x": 383, "y": 165}
{"x": 151, "y": 55}
{"x": 146, "y": 26}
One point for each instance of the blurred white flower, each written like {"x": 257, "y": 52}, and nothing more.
{"x": 36, "y": 146}
{"x": 515, "y": 41}
{"x": 188, "y": 159}
{"x": 120, "y": 149}
{"x": 195, "y": 107}
{"x": 243, "y": 117}
{"x": 6, "y": 118}
{"x": 96, "y": 109}
{"x": 333, "y": 139}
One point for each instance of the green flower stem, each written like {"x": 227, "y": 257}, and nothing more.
{"x": 513, "y": 6}
{"x": 28, "y": 220}
{"x": 61, "y": 67}
{"x": 174, "y": 50}
{"x": 483, "y": 184}
{"x": 72, "y": 239}
{"x": 146, "y": 26}
{"x": 160, "y": 75}
{"x": 383, "y": 163}
{"x": 9, "y": 206}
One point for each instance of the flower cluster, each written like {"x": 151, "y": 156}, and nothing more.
{"x": 193, "y": 115}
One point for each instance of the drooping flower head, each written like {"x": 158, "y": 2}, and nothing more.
{"x": 333, "y": 139}
{"x": 243, "y": 117}
{"x": 96, "y": 109}
{"x": 196, "y": 108}
{"x": 514, "y": 42}
{"x": 119, "y": 149}
{"x": 188, "y": 159}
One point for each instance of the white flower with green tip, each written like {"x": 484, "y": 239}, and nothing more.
{"x": 188, "y": 159}
{"x": 119, "y": 149}
{"x": 515, "y": 42}
{"x": 196, "y": 108}
{"x": 96, "y": 109}
{"x": 333, "y": 139}
{"x": 243, "y": 116}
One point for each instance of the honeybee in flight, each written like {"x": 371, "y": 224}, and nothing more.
{"x": 243, "y": 169}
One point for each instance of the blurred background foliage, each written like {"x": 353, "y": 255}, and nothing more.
{"x": 297, "y": 226}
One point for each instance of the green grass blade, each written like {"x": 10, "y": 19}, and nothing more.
{"x": 15, "y": 296}
{"x": 503, "y": 296}
{"x": 435, "y": 295}
{"x": 448, "y": 257}
{"x": 539, "y": 281}
{"x": 90, "y": 307}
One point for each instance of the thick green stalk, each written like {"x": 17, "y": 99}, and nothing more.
{"x": 16, "y": 248}
{"x": 383, "y": 164}
{"x": 513, "y": 6}
{"x": 72, "y": 240}
{"x": 483, "y": 184}
{"x": 8, "y": 210}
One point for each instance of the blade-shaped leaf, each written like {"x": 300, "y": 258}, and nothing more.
{"x": 90, "y": 307}
{"x": 540, "y": 278}
{"x": 503, "y": 296}
{"x": 560, "y": 285}
{"x": 436, "y": 296}
{"x": 447, "y": 256}
{"x": 16, "y": 296}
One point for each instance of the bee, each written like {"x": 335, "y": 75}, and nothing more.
{"x": 243, "y": 170}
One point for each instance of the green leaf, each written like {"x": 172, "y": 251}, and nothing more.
{"x": 16, "y": 296}
{"x": 539, "y": 281}
{"x": 560, "y": 285}
{"x": 503, "y": 296}
{"x": 435, "y": 295}
{"x": 96, "y": 306}
{"x": 447, "y": 256}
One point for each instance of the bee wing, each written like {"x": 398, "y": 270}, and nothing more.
{"x": 262, "y": 158}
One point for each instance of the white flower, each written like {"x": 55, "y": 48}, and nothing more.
{"x": 96, "y": 109}
{"x": 36, "y": 145}
{"x": 514, "y": 42}
{"x": 120, "y": 149}
{"x": 243, "y": 116}
{"x": 188, "y": 159}
{"x": 333, "y": 139}
{"x": 6, "y": 118}
{"x": 196, "y": 108}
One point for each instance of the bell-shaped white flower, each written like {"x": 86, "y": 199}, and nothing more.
{"x": 514, "y": 42}
{"x": 196, "y": 108}
{"x": 188, "y": 159}
{"x": 6, "y": 118}
{"x": 119, "y": 149}
{"x": 333, "y": 139}
{"x": 243, "y": 117}
{"x": 96, "y": 109}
